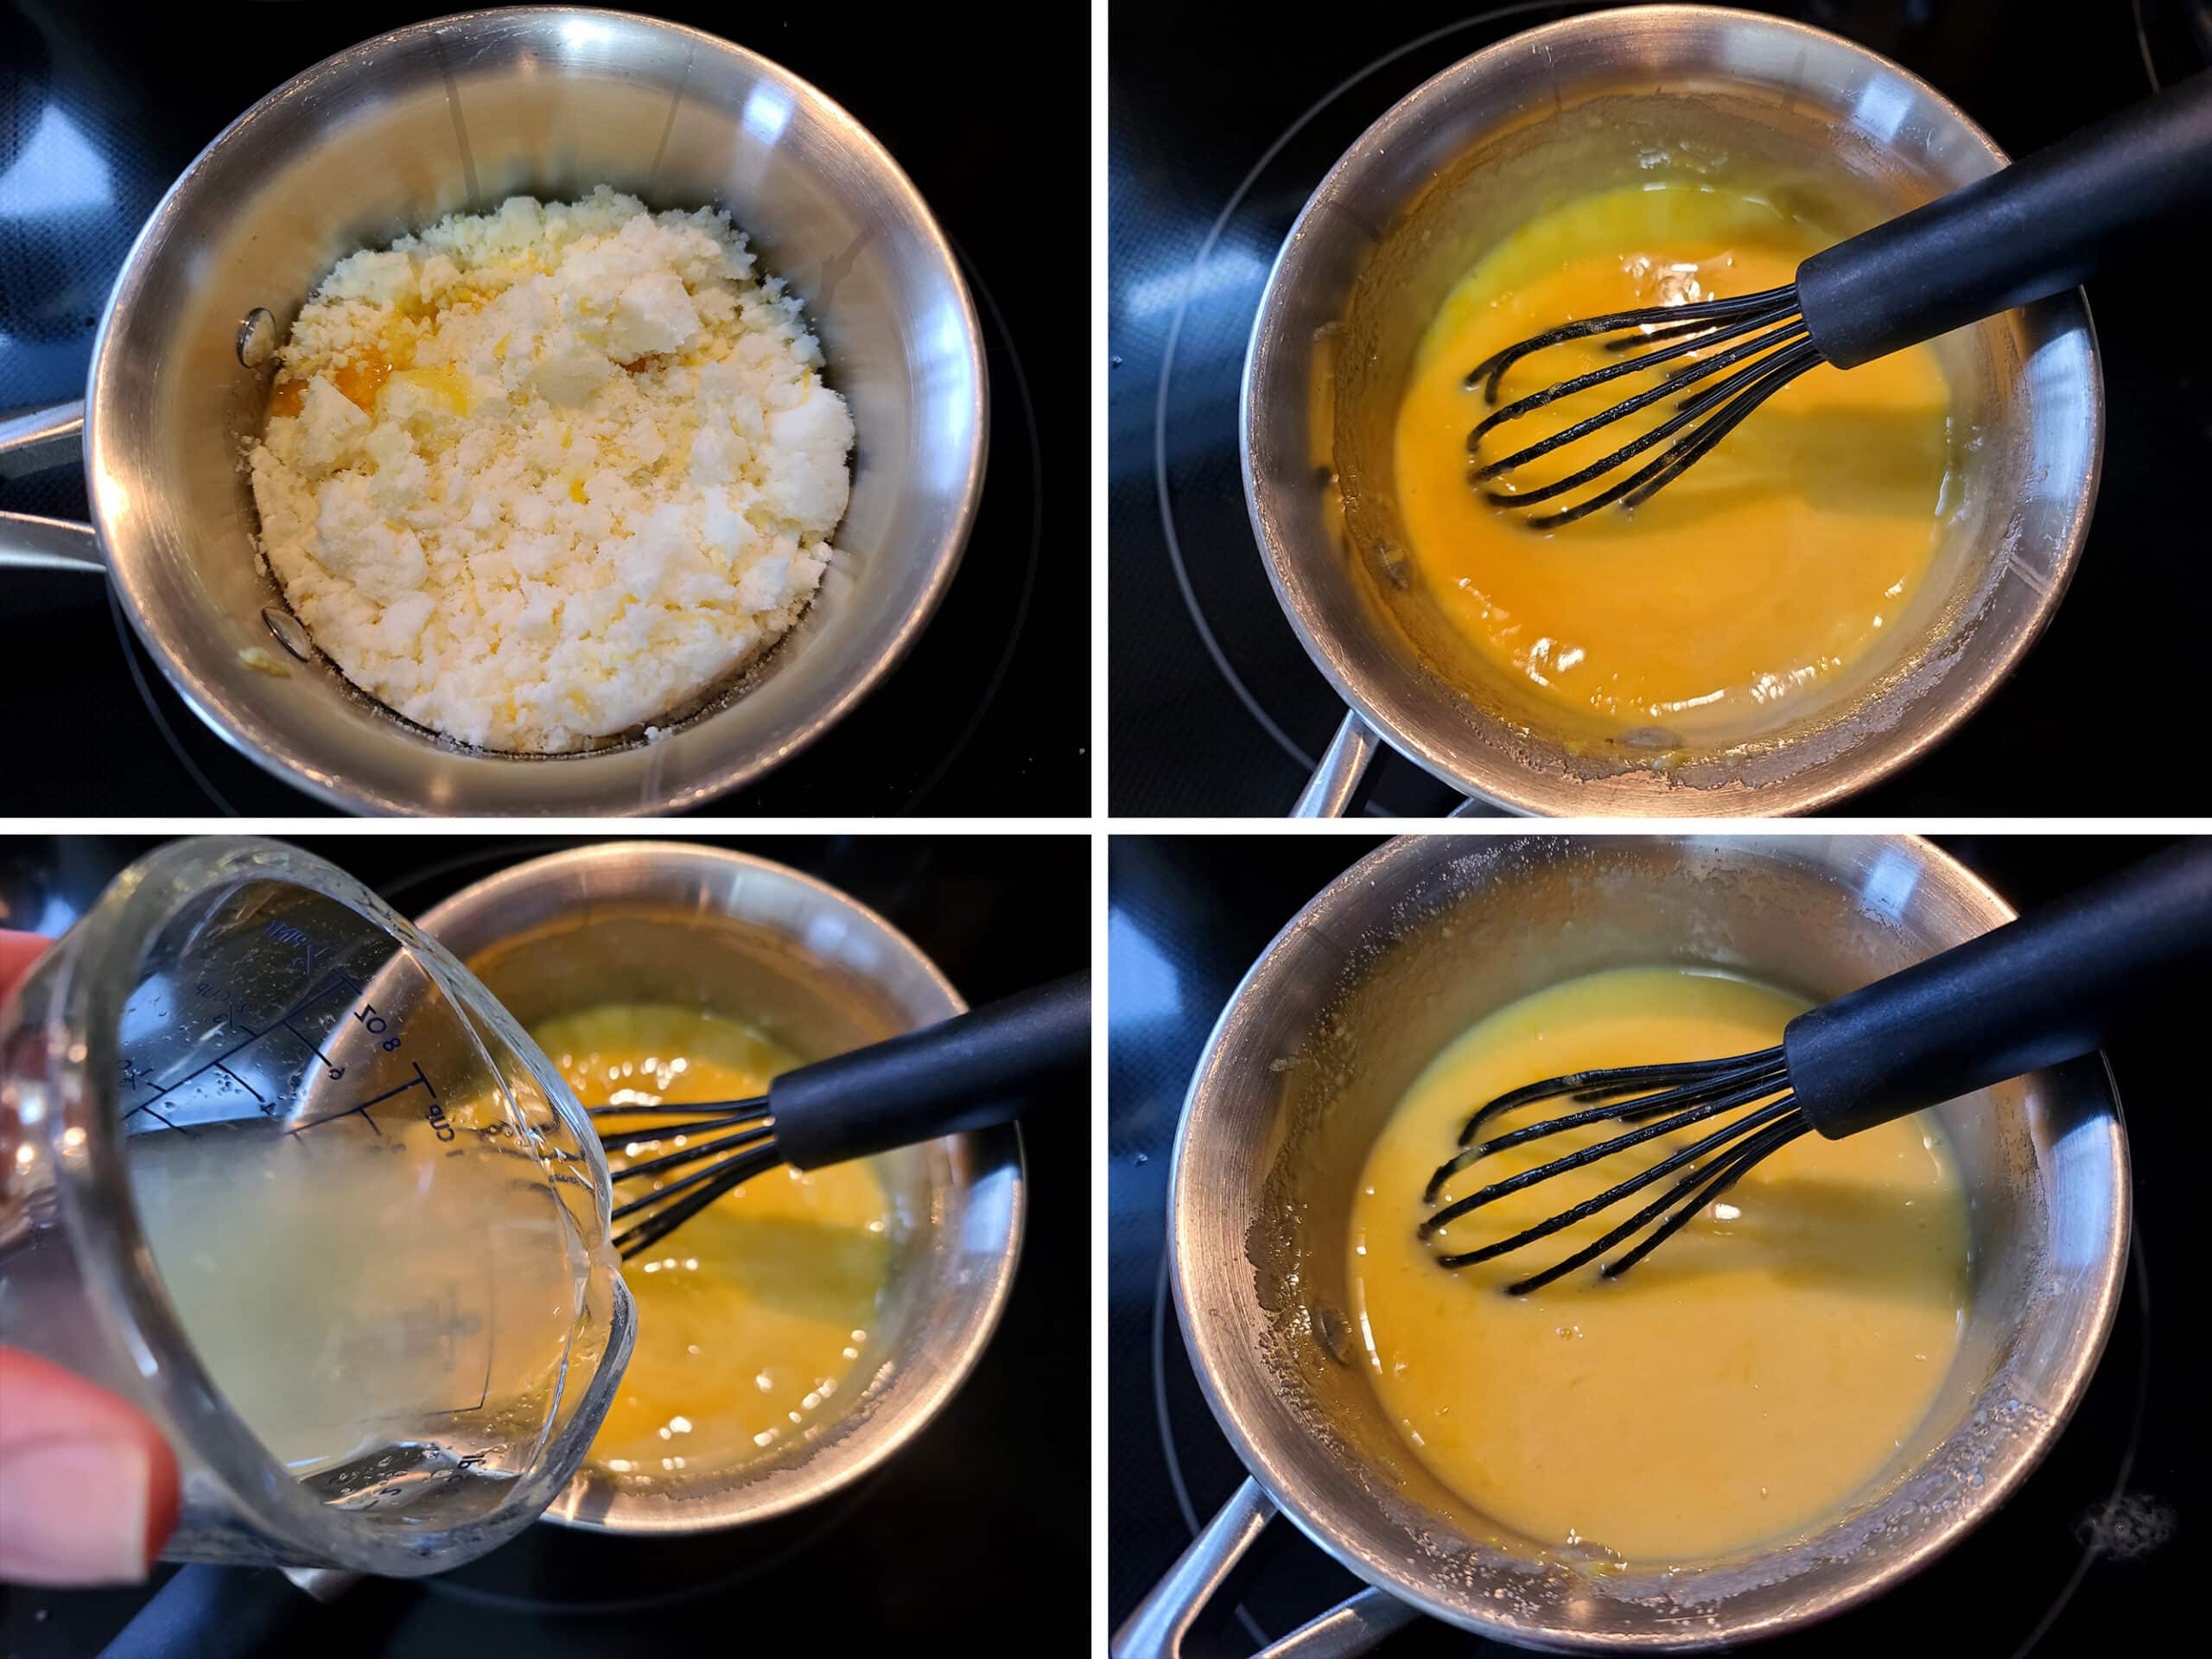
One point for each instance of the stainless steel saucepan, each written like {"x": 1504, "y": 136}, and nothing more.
{"x": 1605, "y": 99}
{"x": 664, "y": 922}
{"x": 1403, "y": 953}
{"x": 453, "y": 115}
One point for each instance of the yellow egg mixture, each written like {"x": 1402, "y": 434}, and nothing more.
{"x": 1767, "y": 567}
{"x": 755, "y": 1315}
{"x": 1739, "y": 1384}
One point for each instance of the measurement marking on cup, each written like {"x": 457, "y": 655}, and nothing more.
{"x": 157, "y": 1118}
{"x": 335, "y": 1069}
{"x": 338, "y": 977}
{"x": 288, "y": 933}
{"x": 420, "y": 1082}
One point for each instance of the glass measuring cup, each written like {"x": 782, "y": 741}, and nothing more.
{"x": 276, "y": 1167}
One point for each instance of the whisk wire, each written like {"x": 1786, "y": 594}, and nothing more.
{"x": 1623, "y": 1092}
{"x": 1776, "y": 372}
{"x": 723, "y": 1178}
{"x": 1706, "y": 1098}
{"x": 662, "y": 1194}
{"x": 1726, "y": 1173}
{"x": 1779, "y": 348}
{"x": 748, "y": 1112}
{"x": 1661, "y": 1100}
{"x": 728, "y": 1160}
{"x": 1749, "y": 387}
{"x": 1699, "y": 370}
{"x": 755, "y": 1106}
{"x": 1686, "y": 1197}
{"x": 1594, "y": 1153}
{"x": 690, "y": 1155}
{"x": 1696, "y": 314}
{"x": 1607, "y": 1082}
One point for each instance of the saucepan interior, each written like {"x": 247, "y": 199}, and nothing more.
{"x": 457, "y": 114}
{"x": 820, "y": 975}
{"x": 1403, "y": 953}
{"x": 1687, "y": 95}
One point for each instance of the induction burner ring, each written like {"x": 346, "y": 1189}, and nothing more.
{"x": 2095, "y": 1544}
{"x": 491, "y": 860}
{"x": 2143, "y": 44}
{"x": 2188, "y": 20}
{"x": 1244, "y": 694}
{"x": 130, "y": 650}
{"x": 1036, "y": 526}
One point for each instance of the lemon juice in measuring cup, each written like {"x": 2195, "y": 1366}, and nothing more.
{"x": 280, "y": 1169}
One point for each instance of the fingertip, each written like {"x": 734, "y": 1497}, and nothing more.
{"x": 89, "y": 1487}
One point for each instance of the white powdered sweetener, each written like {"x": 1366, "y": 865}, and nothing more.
{"x": 543, "y": 476}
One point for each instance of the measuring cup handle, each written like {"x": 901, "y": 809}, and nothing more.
{"x": 1155, "y": 1629}
{"x": 37, "y": 441}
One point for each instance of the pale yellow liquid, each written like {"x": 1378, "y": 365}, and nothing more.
{"x": 350, "y": 1288}
{"x": 1741, "y": 1384}
{"x": 756, "y": 1317}
{"x": 1767, "y": 569}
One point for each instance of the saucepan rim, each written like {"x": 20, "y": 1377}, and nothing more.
{"x": 649, "y": 790}
{"x": 1502, "y": 782}
{"x": 1221, "y": 1342}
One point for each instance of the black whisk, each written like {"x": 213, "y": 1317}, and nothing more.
{"x": 969, "y": 1073}
{"x": 2043, "y": 990}
{"x": 2036, "y": 228}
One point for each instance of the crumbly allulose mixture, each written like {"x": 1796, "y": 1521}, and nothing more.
{"x": 547, "y": 475}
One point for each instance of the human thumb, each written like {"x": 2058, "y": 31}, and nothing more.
{"x": 88, "y": 1487}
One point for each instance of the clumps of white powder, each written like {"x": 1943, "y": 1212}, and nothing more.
{"x": 543, "y": 476}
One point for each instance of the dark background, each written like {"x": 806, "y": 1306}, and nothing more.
{"x": 2054, "y": 1570}
{"x": 103, "y": 103}
{"x": 980, "y": 1523}
{"x": 1199, "y": 96}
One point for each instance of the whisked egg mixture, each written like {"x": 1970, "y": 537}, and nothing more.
{"x": 1740, "y": 1384}
{"x": 1782, "y": 558}
{"x": 756, "y": 1318}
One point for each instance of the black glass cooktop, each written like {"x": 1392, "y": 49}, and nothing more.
{"x": 990, "y": 714}
{"x": 982, "y": 1523}
{"x": 2081, "y": 1559}
{"x": 1217, "y": 709}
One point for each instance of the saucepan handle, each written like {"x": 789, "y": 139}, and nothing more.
{"x": 1328, "y": 794}
{"x": 1156, "y": 1628}
{"x": 37, "y": 441}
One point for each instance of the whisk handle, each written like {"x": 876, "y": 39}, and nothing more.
{"x": 969, "y": 1073}
{"x": 2036, "y": 228}
{"x": 2037, "y": 991}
